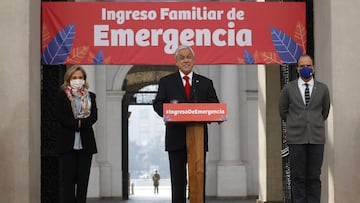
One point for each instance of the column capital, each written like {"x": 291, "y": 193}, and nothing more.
{"x": 115, "y": 94}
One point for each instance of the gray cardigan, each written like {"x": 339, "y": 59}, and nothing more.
{"x": 304, "y": 124}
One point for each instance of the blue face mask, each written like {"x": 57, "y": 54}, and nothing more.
{"x": 306, "y": 72}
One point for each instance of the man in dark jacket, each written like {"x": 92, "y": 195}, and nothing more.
{"x": 183, "y": 86}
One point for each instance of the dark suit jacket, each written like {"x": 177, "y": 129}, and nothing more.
{"x": 304, "y": 124}
{"x": 171, "y": 88}
{"x": 68, "y": 125}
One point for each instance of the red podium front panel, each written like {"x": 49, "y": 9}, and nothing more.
{"x": 195, "y": 112}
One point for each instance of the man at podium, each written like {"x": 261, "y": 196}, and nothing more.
{"x": 183, "y": 86}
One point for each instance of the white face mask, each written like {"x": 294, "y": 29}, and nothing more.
{"x": 77, "y": 83}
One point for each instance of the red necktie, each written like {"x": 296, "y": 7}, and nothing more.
{"x": 187, "y": 86}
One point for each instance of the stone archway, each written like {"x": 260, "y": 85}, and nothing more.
{"x": 128, "y": 81}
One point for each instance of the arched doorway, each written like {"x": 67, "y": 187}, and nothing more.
{"x": 136, "y": 87}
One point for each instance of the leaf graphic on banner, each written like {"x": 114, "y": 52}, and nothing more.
{"x": 249, "y": 59}
{"x": 256, "y": 56}
{"x": 270, "y": 58}
{"x": 300, "y": 35}
{"x": 59, "y": 47}
{"x": 107, "y": 60}
{"x": 288, "y": 50}
{"x": 45, "y": 37}
{"x": 240, "y": 60}
{"x": 77, "y": 55}
{"x": 99, "y": 58}
{"x": 92, "y": 59}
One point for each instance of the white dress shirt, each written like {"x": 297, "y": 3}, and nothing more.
{"x": 190, "y": 75}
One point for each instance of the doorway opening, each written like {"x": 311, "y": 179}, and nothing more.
{"x": 143, "y": 136}
{"x": 146, "y": 148}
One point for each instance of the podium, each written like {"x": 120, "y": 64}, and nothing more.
{"x": 195, "y": 115}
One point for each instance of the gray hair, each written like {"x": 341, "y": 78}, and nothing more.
{"x": 183, "y": 47}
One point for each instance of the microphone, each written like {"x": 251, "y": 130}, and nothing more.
{"x": 194, "y": 84}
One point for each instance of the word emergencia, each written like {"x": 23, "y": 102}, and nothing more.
{"x": 104, "y": 36}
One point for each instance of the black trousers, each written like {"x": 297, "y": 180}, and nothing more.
{"x": 75, "y": 176}
{"x": 178, "y": 173}
{"x": 305, "y": 166}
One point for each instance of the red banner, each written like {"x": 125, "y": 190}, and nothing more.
{"x": 150, "y": 32}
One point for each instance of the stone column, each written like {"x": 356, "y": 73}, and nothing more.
{"x": 336, "y": 31}
{"x": 231, "y": 171}
{"x": 20, "y": 87}
{"x": 114, "y": 150}
{"x": 102, "y": 161}
{"x": 98, "y": 187}
{"x": 270, "y": 163}
{"x": 213, "y": 155}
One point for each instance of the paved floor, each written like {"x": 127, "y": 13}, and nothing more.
{"x": 145, "y": 194}
{"x": 161, "y": 200}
